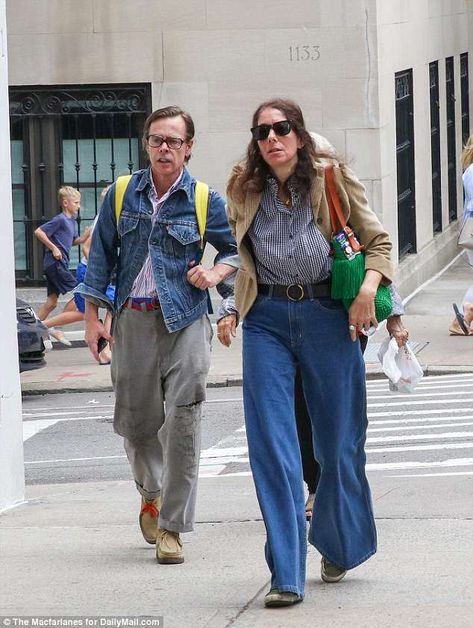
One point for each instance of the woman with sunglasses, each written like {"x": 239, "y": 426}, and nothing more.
{"x": 278, "y": 212}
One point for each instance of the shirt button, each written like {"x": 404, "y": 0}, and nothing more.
{"x": 319, "y": 221}
{"x": 290, "y": 236}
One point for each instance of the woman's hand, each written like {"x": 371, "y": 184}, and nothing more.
{"x": 361, "y": 314}
{"x": 226, "y": 329}
{"x": 397, "y": 330}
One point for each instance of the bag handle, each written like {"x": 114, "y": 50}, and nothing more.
{"x": 336, "y": 213}
{"x": 201, "y": 208}
{"x": 120, "y": 189}
{"x": 337, "y": 218}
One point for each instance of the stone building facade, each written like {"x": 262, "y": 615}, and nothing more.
{"x": 386, "y": 81}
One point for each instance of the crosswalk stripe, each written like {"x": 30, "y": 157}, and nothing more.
{"x": 417, "y": 395}
{"x": 413, "y": 402}
{"x": 416, "y": 427}
{"x": 404, "y": 437}
{"x": 432, "y": 475}
{"x": 386, "y": 466}
{"x": 385, "y": 450}
{"x": 399, "y": 413}
{"x": 428, "y": 419}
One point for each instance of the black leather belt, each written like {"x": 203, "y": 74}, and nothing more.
{"x": 296, "y": 291}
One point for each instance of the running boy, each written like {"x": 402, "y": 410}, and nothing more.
{"x": 58, "y": 236}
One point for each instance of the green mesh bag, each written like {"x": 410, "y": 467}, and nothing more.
{"x": 347, "y": 277}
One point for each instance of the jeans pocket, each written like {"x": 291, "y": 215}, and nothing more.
{"x": 329, "y": 304}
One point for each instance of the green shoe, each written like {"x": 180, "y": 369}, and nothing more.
{"x": 281, "y": 598}
{"x": 331, "y": 573}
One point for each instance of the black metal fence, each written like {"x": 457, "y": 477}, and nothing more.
{"x": 83, "y": 136}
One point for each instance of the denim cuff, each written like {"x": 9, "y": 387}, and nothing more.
{"x": 94, "y": 296}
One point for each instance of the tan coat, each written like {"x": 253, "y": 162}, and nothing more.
{"x": 242, "y": 208}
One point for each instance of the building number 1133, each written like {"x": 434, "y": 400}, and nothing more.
{"x": 304, "y": 53}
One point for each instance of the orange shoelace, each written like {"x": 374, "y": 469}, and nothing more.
{"x": 150, "y": 508}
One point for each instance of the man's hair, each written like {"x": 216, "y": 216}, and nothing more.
{"x": 169, "y": 112}
{"x": 103, "y": 193}
{"x": 66, "y": 191}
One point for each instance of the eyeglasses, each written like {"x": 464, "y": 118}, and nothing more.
{"x": 155, "y": 141}
{"x": 261, "y": 132}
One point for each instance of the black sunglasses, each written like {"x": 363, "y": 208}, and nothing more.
{"x": 261, "y": 131}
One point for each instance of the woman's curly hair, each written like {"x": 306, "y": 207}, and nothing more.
{"x": 256, "y": 170}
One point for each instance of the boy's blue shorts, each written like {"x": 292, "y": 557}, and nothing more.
{"x": 78, "y": 298}
{"x": 59, "y": 278}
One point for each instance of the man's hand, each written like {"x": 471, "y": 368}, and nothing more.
{"x": 226, "y": 329}
{"x": 94, "y": 329}
{"x": 204, "y": 278}
{"x": 397, "y": 330}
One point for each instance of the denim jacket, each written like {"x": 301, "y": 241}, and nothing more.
{"x": 172, "y": 241}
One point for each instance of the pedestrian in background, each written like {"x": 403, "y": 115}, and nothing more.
{"x": 58, "y": 236}
{"x": 278, "y": 210}
{"x": 462, "y": 323}
{"x": 161, "y": 330}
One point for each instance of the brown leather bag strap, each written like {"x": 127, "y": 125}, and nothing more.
{"x": 337, "y": 218}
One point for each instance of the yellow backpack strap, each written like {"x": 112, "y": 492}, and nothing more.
{"x": 120, "y": 189}
{"x": 201, "y": 208}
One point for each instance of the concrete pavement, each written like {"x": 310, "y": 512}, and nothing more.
{"x": 75, "y": 549}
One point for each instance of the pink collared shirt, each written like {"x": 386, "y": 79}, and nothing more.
{"x": 144, "y": 285}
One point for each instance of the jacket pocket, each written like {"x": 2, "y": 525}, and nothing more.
{"x": 128, "y": 222}
{"x": 185, "y": 234}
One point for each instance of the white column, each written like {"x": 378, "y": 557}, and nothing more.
{"x": 12, "y": 479}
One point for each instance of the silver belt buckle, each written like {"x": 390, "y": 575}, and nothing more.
{"x": 301, "y": 292}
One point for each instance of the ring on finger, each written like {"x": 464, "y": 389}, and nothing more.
{"x": 352, "y": 327}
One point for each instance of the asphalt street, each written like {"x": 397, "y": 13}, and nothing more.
{"x": 428, "y": 434}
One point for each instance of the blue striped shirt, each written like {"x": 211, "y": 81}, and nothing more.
{"x": 288, "y": 246}
{"x": 144, "y": 285}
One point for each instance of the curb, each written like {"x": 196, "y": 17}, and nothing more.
{"x": 375, "y": 374}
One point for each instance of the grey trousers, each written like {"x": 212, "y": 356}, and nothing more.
{"x": 159, "y": 380}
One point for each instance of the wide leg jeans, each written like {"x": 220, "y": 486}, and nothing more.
{"x": 279, "y": 335}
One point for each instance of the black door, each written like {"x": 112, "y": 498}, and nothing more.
{"x": 406, "y": 204}
{"x": 465, "y": 104}
{"x": 451, "y": 139}
{"x": 435, "y": 147}
{"x": 81, "y": 136}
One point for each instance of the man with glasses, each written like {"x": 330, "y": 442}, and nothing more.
{"x": 161, "y": 330}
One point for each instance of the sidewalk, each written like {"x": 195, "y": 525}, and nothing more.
{"x": 428, "y": 316}
{"x": 75, "y": 549}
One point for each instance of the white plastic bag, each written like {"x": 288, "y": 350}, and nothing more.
{"x": 400, "y": 365}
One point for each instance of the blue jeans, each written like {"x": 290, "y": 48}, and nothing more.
{"x": 278, "y": 336}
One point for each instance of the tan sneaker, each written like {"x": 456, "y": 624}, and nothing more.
{"x": 149, "y": 519}
{"x": 281, "y": 598}
{"x": 330, "y": 572}
{"x": 169, "y": 548}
